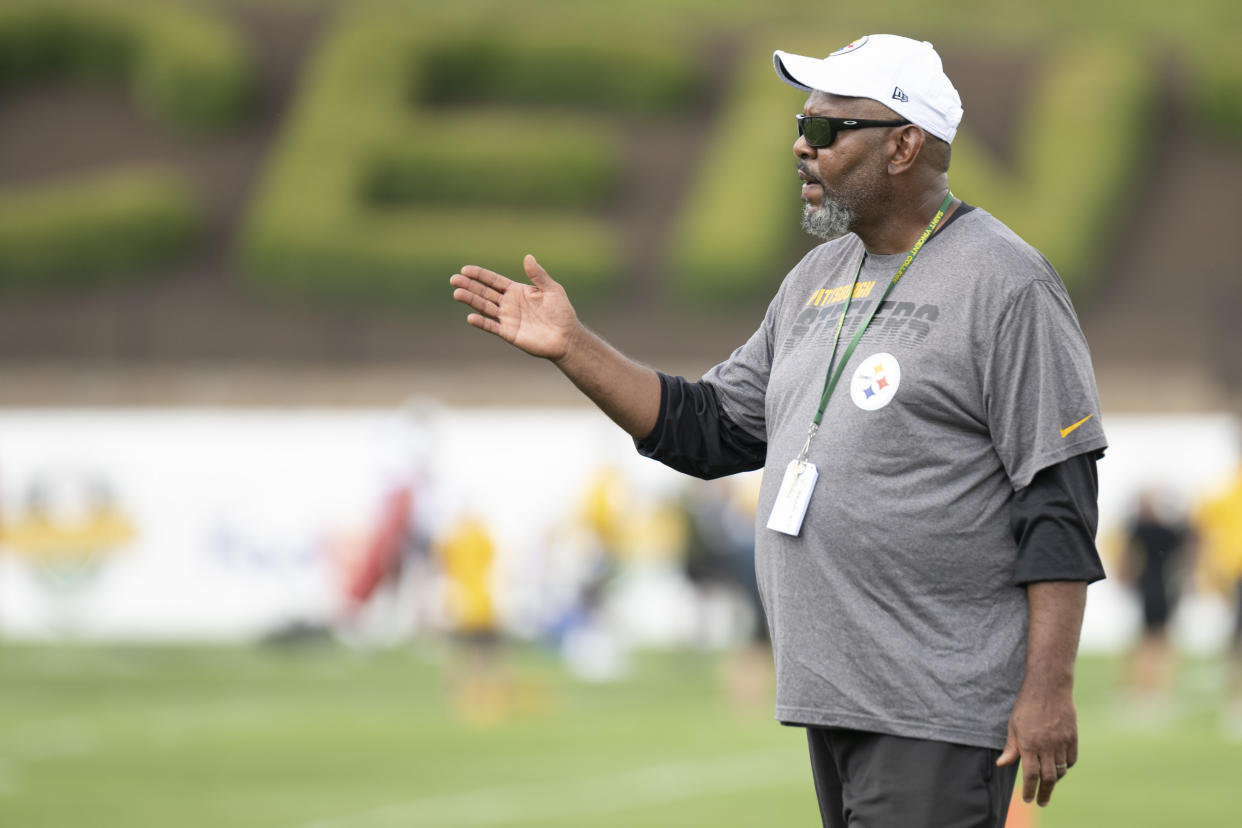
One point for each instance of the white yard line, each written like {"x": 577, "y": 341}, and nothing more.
{"x": 568, "y": 797}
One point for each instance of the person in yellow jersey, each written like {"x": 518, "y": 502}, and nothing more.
{"x": 1220, "y": 527}
{"x": 467, "y": 558}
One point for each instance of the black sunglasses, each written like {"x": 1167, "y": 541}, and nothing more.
{"x": 820, "y": 130}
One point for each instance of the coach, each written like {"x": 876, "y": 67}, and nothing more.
{"x": 922, "y": 401}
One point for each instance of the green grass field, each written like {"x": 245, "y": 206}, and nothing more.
{"x": 319, "y": 737}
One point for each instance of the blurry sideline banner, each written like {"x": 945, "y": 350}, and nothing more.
{"x": 173, "y": 525}
{"x": 231, "y": 524}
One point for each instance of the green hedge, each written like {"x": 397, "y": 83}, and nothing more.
{"x": 193, "y": 70}
{"x": 603, "y": 69}
{"x": 184, "y": 65}
{"x": 740, "y": 222}
{"x": 317, "y": 228}
{"x": 1216, "y": 81}
{"x": 115, "y": 224}
{"x": 503, "y": 161}
{"x": 1081, "y": 147}
{"x": 61, "y": 39}
{"x": 408, "y": 257}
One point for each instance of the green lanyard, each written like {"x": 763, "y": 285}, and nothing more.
{"x": 831, "y": 377}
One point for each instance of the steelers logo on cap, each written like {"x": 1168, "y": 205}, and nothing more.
{"x": 875, "y": 382}
{"x": 851, "y": 46}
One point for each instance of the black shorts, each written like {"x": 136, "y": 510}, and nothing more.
{"x": 1156, "y": 610}
{"x": 873, "y": 779}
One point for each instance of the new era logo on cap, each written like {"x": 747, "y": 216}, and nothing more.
{"x": 898, "y": 95}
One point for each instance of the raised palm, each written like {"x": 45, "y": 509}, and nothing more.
{"x": 536, "y": 317}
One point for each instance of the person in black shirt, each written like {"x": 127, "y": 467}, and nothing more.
{"x": 1155, "y": 560}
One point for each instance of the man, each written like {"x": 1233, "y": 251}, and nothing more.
{"x": 923, "y": 556}
{"x": 1154, "y": 562}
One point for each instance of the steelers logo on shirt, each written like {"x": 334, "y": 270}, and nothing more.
{"x": 875, "y": 382}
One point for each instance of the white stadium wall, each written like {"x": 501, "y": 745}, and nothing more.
{"x": 232, "y": 524}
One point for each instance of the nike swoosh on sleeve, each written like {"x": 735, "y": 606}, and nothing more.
{"x": 1065, "y": 431}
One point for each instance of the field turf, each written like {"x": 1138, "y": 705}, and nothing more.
{"x": 315, "y": 736}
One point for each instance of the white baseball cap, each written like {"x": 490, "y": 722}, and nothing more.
{"x": 903, "y": 74}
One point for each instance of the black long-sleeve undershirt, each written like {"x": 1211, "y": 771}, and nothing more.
{"x": 1054, "y": 521}
{"x": 694, "y": 435}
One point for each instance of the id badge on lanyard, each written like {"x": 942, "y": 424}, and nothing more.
{"x": 794, "y": 497}
{"x": 798, "y": 484}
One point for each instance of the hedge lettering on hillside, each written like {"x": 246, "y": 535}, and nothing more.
{"x": 118, "y": 224}
{"x": 458, "y": 148}
{"x": 185, "y": 66}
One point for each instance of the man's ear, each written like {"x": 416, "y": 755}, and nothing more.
{"x": 907, "y": 145}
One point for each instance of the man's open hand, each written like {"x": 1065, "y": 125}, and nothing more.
{"x": 536, "y": 317}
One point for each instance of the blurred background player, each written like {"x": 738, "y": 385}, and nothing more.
{"x": 1155, "y": 563}
{"x": 705, "y": 562}
{"x": 1219, "y": 521}
{"x": 477, "y": 677}
{"x": 720, "y": 562}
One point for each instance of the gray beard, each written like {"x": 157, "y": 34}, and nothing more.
{"x": 828, "y": 221}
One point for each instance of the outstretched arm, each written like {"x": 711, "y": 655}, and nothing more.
{"x": 539, "y": 319}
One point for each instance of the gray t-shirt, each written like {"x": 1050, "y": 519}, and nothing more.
{"x": 895, "y": 609}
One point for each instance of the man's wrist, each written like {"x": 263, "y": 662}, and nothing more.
{"x": 1040, "y": 682}
{"x": 575, "y": 342}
